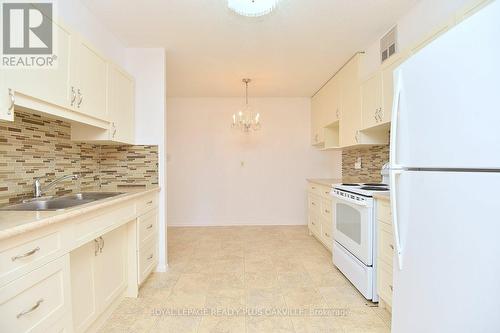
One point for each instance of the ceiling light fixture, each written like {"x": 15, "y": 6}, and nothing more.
{"x": 246, "y": 118}
{"x": 252, "y": 8}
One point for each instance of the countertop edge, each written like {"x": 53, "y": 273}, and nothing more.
{"x": 325, "y": 181}
{"x": 382, "y": 196}
{"x": 77, "y": 211}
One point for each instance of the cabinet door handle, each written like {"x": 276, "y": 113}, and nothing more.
{"x": 390, "y": 286}
{"x": 150, "y": 257}
{"x": 149, "y": 202}
{"x": 327, "y": 235}
{"x": 391, "y": 246}
{"x": 149, "y": 226}
{"x": 96, "y": 247}
{"x": 12, "y": 102}
{"x": 73, "y": 95}
{"x": 102, "y": 244}
{"x": 313, "y": 223}
{"x": 33, "y": 308}
{"x": 327, "y": 211}
{"x": 312, "y": 203}
{"x": 113, "y": 132}
{"x": 27, "y": 254}
{"x": 80, "y": 98}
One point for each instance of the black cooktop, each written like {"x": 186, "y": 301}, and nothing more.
{"x": 374, "y": 188}
{"x": 350, "y": 184}
{"x": 375, "y": 184}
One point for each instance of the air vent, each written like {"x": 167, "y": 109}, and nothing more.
{"x": 388, "y": 44}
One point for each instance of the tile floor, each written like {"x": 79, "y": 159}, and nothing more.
{"x": 215, "y": 273}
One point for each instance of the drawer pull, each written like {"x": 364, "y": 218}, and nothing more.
{"x": 312, "y": 203}
{"x": 327, "y": 235}
{"x": 149, "y": 202}
{"x": 313, "y": 188}
{"x": 313, "y": 223}
{"x": 27, "y": 254}
{"x": 390, "y": 287}
{"x": 150, "y": 257}
{"x": 327, "y": 211}
{"x": 391, "y": 246}
{"x": 33, "y": 308}
{"x": 149, "y": 226}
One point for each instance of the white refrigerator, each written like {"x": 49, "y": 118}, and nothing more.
{"x": 445, "y": 182}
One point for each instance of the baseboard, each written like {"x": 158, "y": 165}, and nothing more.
{"x": 161, "y": 268}
{"x": 233, "y": 224}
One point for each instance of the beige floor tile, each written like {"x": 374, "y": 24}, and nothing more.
{"x": 215, "y": 324}
{"x": 269, "y": 324}
{"x": 261, "y": 269}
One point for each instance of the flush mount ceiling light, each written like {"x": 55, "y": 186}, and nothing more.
{"x": 252, "y": 8}
{"x": 246, "y": 119}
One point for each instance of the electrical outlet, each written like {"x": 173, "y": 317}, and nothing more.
{"x": 357, "y": 164}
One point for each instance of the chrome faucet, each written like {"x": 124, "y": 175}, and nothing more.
{"x": 37, "y": 186}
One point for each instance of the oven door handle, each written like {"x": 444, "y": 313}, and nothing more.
{"x": 359, "y": 203}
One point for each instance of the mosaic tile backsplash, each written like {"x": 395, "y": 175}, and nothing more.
{"x": 36, "y": 146}
{"x": 372, "y": 160}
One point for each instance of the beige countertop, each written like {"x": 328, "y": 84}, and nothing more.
{"x": 325, "y": 181}
{"x": 382, "y": 196}
{"x": 13, "y": 223}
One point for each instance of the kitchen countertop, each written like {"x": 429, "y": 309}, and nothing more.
{"x": 13, "y": 223}
{"x": 325, "y": 181}
{"x": 382, "y": 196}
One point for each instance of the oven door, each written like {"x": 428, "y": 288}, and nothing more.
{"x": 354, "y": 228}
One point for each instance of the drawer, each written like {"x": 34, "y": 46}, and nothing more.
{"x": 28, "y": 253}
{"x": 384, "y": 211}
{"x": 324, "y": 192}
{"x": 147, "y": 226}
{"x": 89, "y": 228}
{"x": 146, "y": 203}
{"x": 326, "y": 209}
{"x": 313, "y": 188}
{"x": 385, "y": 282}
{"x": 147, "y": 257}
{"x": 37, "y": 301}
{"x": 326, "y": 233}
{"x": 314, "y": 224}
{"x": 314, "y": 203}
{"x": 385, "y": 243}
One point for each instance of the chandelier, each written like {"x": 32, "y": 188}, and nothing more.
{"x": 246, "y": 119}
{"x": 252, "y": 8}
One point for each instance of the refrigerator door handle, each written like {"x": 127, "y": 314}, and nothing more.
{"x": 394, "y": 174}
{"x": 395, "y": 118}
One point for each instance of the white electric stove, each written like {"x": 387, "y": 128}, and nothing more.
{"x": 354, "y": 247}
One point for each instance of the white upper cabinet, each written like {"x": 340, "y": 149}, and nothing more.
{"x": 372, "y": 106}
{"x": 88, "y": 81}
{"x": 351, "y": 103}
{"x": 50, "y": 85}
{"x": 317, "y": 137}
{"x": 83, "y": 87}
{"x": 121, "y": 99}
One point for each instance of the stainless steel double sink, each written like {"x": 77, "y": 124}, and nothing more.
{"x": 60, "y": 203}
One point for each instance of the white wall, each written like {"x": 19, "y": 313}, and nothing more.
{"x": 207, "y": 184}
{"x": 148, "y": 68}
{"x": 420, "y": 20}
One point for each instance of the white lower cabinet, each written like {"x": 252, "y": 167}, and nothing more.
{"x": 385, "y": 253}
{"x": 38, "y": 301}
{"x": 67, "y": 277}
{"x": 98, "y": 276}
{"x": 320, "y": 214}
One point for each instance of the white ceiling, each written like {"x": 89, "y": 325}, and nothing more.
{"x": 290, "y": 52}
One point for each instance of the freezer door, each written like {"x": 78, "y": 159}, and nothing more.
{"x": 447, "y": 100}
{"x": 449, "y": 231}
